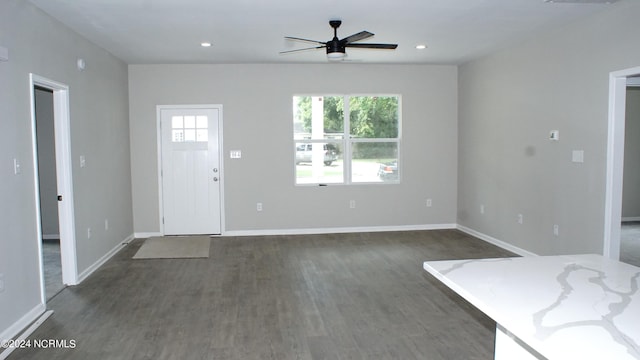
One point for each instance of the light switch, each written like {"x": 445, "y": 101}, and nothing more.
{"x": 235, "y": 154}
{"x": 577, "y": 156}
{"x": 16, "y": 167}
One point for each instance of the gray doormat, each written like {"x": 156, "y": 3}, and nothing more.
{"x": 174, "y": 247}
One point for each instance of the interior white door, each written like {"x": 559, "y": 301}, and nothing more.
{"x": 190, "y": 170}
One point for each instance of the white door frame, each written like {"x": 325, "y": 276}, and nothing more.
{"x": 159, "y": 109}
{"x": 615, "y": 160}
{"x": 66, "y": 216}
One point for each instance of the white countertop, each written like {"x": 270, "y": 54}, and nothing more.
{"x": 564, "y": 307}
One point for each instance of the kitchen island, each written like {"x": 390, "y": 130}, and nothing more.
{"x": 552, "y": 307}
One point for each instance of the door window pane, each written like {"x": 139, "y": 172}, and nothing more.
{"x": 189, "y": 122}
{"x": 189, "y": 135}
{"x": 202, "y": 135}
{"x": 177, "y": 135}
{"x": 177, "y": 122}
{"x": 202, "y": 122}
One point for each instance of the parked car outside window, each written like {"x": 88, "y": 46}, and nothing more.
{"x": 388, "y": 171}
{"x": 304, "y": 153}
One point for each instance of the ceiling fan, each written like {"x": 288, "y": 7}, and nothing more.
{"x": 336, "y": 47}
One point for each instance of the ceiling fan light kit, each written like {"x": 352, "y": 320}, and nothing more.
{"x": 335, "y": 56}
{"x": 336, "y": 48}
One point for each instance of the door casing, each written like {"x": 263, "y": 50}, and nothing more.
{"x": 64, "y": 177}
{"x": 615, "y": 160}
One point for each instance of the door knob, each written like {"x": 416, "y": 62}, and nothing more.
{"x": 215, "y": 170}
{"x": 215, "y": 178}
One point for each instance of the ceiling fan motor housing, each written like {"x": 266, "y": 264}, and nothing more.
{"x": 334, "y": 46}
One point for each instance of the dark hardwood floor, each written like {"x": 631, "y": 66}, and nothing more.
{"x": 337, "y": 296}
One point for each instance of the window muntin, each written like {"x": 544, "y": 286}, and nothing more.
{"x": 359, "y": 147}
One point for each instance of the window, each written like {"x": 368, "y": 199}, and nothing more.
{"x": 189, "y": 128}
{"x": 346, "y": 139}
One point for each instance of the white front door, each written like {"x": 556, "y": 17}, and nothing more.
{"x": 190, "y": 170}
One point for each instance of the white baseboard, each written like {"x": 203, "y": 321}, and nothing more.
{"x": 631, "y": 218}
{"x": 14, "y": 330}
{"x": 337, "y": 230}
{"x": 34, "y": 326}
{"x": 496, "y": 242}
{"x": 85, "y": 274}
{"x": 145, "y": 235}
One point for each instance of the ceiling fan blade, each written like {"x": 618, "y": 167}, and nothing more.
{"x": 373, "y": 46}
{"x": 306, "y": 40}
{"x": 356, "y": 37}
{"x": 303, "y": 49}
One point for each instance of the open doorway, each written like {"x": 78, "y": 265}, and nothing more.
{"x": 619, "y": 82}
{"x": 59, "y": 138}
{"x": 630, "y": 231}
{"x": 47, "y": 184}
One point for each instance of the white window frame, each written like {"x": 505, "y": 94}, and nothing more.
{"x": 348, "y": 141}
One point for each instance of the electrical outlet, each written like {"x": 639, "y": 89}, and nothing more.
{"x": 429, "y": 203}
{"x": 106, "y": 224}
{"x": 83, "y": 161}
{"x": 520, "y": 219}
{"x": 481, "y": 209}
{"x": 88, "y": 233}
{"x": 1, "y": 283}
{"x": 259, "y": 206}
{"x": 556, "y": 230}
{"x": 352, "y": 204}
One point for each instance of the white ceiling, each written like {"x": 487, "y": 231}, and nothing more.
{"x": 252, "y": 31}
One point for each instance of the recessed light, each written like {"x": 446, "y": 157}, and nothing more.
{"x": 205, "y": 44}
{"x": 421, "y": 46}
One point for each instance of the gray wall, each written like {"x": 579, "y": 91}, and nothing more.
{"x": 257, "y": 101}
{"x": 509, "y": 101}
{"x": 99, "y": 130}
{"x": 631, "y": 188}
{"x": 47, "y": 163}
